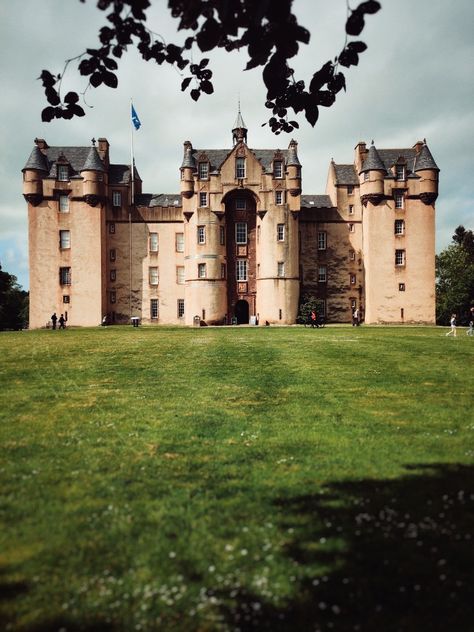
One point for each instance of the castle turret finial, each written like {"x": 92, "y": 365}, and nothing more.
{"x": 239, "y": 131}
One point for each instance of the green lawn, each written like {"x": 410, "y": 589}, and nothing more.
{"x": 247, "y": 479}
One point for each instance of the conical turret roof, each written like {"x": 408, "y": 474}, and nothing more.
{"x": 93, "y": 161}
{"x": 373, "y": 162}
{"x": 293, "y": 155}
{"x": 425, "y": 160}
{"x": 188, "y": 158}
{"x": 37, "y": 161}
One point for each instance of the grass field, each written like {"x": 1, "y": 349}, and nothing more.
{"x": 281, "y": 479}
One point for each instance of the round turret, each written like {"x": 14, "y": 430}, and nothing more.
{"x": 427, "y": 170}
{"x": 294, "y": 169}
{"x": 188, "y": 167}
{"x": 372, "y": 178}
{"x": 93, "y": 174}
{"x": 33, "y": 173}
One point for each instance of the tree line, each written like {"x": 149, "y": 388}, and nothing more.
{"x": 14, "y": 303}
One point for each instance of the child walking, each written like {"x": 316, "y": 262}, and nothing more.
{"x": 452, "y": 322}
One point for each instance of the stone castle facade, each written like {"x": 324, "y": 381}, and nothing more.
{"x": 240, "y": 243}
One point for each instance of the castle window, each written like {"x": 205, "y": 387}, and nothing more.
{"x": 64, "y": 204}
{"x": 111, "y": 228}
{"x": 240, "y": 204}
{"x": 201, "y": 234}
{"x": 399, "y": 227}
{"x": 116, "y": 198}
{"x": 180, "y": 307}
{"x": 153, "y": 242}
{"x": 201, "y": 270}
{"x": 351, "y": 209}
{"x": 278, "y": 169}
{"x": 353, "y": 279}
{"x": 281, "y": 269}
{"x": 223, "y": 271}
{"x": 203, "y": 170}
{"x": 66, "y": 298}
{"x": 400, "y": 258}
{"x": 65, "y": 276}
{"x": 222, "y": 235}
{"x": 63, "y": 173}
{"x": 112, "y": 254}
{"x": 322, "y": 274}
{"x": 202, "y": 199}
{"x": 352, "y": 255}
{"x": 400, "y": 172}
{"x": 350, "y": 190}
{"x": 401, "y": 287}
{"x": 399, "y": 199}
{"x": 241, "y": 233}
{"x": 351, "y": 228}
{"x": 241, "y": 269}
{"x": 322, "y": 240}
{"x": 113, "y": 296}
{"x": 113, "y": 275}
{"x": 153, "y": 275}
{"x": 279, "y": 197}
{"x": 179, "y": 242}
{"x": 366, "y": 176}
{"x": 180, "y": 275}
{"x": 240, "y": 167}
{"x": 154, "y": 308}
{"x": 64, "y": 239}
{"x": 281, "y": 232}
{"x": 353, "y": 304}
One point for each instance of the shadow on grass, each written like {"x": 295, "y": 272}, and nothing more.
{"x": 405, "y": 561}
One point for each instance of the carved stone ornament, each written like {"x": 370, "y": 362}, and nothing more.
{"x": 428, "y": 198}
{"x": 92, "y": 200}
{"x": 373, "y": 198}
{"x": 240, "y": 153}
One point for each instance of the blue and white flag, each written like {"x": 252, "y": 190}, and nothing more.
{"x": 135, "y": 119}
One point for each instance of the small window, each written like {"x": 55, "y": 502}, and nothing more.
{"x": 399, "y": 199}
{"x": 241, "y": 269}
{"x": 240, "y": 204}
{"x": 222, "y": 235}
{"x": 353, "y": 304}
{"x": 278, "y": 197}
{"x": 241, "y": 233}
{"x": 203, "y": 170}
{"x": 113, "y": 296}
{"x": 223, "y": 271}
{"x": 400, "y": 257}
{"x": 281, "y": 269}
{"x": 116, "y": 198}
{"x": 111, "y": 228}
{"x": 203, "y": 314}
{"x": 112, "y": 254}
{"x": 66, "y": 298}
{"x": 351, "y": 228}
{"x": 280, "y": 314}
{"x": 201, "y": 270}
{"x": 179, "y": 242}
{"x": 202, "y": 199}
{"x": 278, "y": 169}
{"x": 64, "y": 204}
{"x": 65, "y": 276}
{"x": 350, "y": 190}
{"x": 63, "y": 173}
{"x": 154, "y": 308}
{"x": 352, "y": 255}
{"x": 64, "y": 239}
{"x": 258, "y": 234}
{"x": 180, "y": 307}
{"x": 322, "y": 274}
{"x": 351, "y": 209}
{"x": 322, "y": 240}
{"x": 281, "y": 232}
{"x": 180, "y": 275}
{"x": 401, "y": 287}
{"x": 153, "y": 242}
{"x": 240, "y": 167}
{"x": 201, "y": 234}
{"x": 113, "y": 275}
{"x": 366, "y": 176}
{"x": 399, "y": 227}
{"x": 400, "y": 172}
{"x": 153, "y": 275}
{"x": 353, "y": 279}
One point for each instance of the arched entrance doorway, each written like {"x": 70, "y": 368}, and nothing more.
{"x": 242, "y": 312}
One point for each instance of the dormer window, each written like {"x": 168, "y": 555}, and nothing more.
{"x": 63, "y": 173}
{"x": 278, "y": 168}
{"x": 116, "y": 198}
{"x": 400, "y": 172}
{"x": 240, "y": 167}
{"x": 203, "y": 170}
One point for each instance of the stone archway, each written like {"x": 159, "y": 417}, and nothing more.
{"x": 242, "y": 312}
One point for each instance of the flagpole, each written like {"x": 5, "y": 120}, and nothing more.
{"x": 132, "y": 200}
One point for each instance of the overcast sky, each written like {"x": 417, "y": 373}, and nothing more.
{"x": 415, "y": 81}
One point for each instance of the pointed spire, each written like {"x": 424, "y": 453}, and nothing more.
{"x": 239, "y": 131}
{"x": 373, "y": 162}
{"x": 188, "y": 158}
{"x": 37, "y": 161}
{"x": 93, "y": 161}
{"x": 425, "y": 160}
{"x": 293, "y": 154}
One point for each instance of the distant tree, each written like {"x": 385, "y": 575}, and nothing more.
{"x": 13, "y": 303}
{"x": 266, "y": 28}
{"x": 308, "y": 303}
{"x": 455, "y": 277}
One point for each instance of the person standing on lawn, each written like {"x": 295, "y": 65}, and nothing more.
{"x": 54, "y": 318}
{"x": 452, "y": 322}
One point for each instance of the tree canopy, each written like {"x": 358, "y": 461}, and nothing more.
{"x": 455, "y": 277}
{"x": 13, "y": 303}
{"x": 268, "y": 29}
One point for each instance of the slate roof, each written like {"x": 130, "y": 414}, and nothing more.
{"x": 373, "y": 161}
{"x": 425, "y": 160}
{"x": 316, "y": 201}
{"x": 93, "y": 161}
{"x": 346, "y": 174}
{"x": 239, "y": 122}
{"x": 390, "y": 157}
{"x": 37, "y": 161}
{"x": 218, "y": 156}
{"x": 159, "y": 199}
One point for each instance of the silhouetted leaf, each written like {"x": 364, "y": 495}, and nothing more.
{"x": 77, "y": 110}
{"x": 209, "y": 35}
{"x": 312, "y": 115}
{"x": 110, "y": 63}
{"x": 371, "y": 6}
{"x": 185, "y": 83}
{"x": 110, "y": 79}
{"x": 71, "y": 97}
{"x": 96, "y": 79}
{"x": 355, "y": 23}
{"x": 207, "y": 87}
{"x": 195, "y": 94}
{"x": 47, "y": 114}
{"x": 52, "y": 96}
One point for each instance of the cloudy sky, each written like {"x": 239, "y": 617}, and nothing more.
{"x": 415, "y": 81}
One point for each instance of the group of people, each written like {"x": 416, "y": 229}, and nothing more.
{"x": 453, "y": 324}
{"x": 61, "y": 320}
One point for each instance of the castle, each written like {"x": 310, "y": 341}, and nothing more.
{"x": 239, "y": 244}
